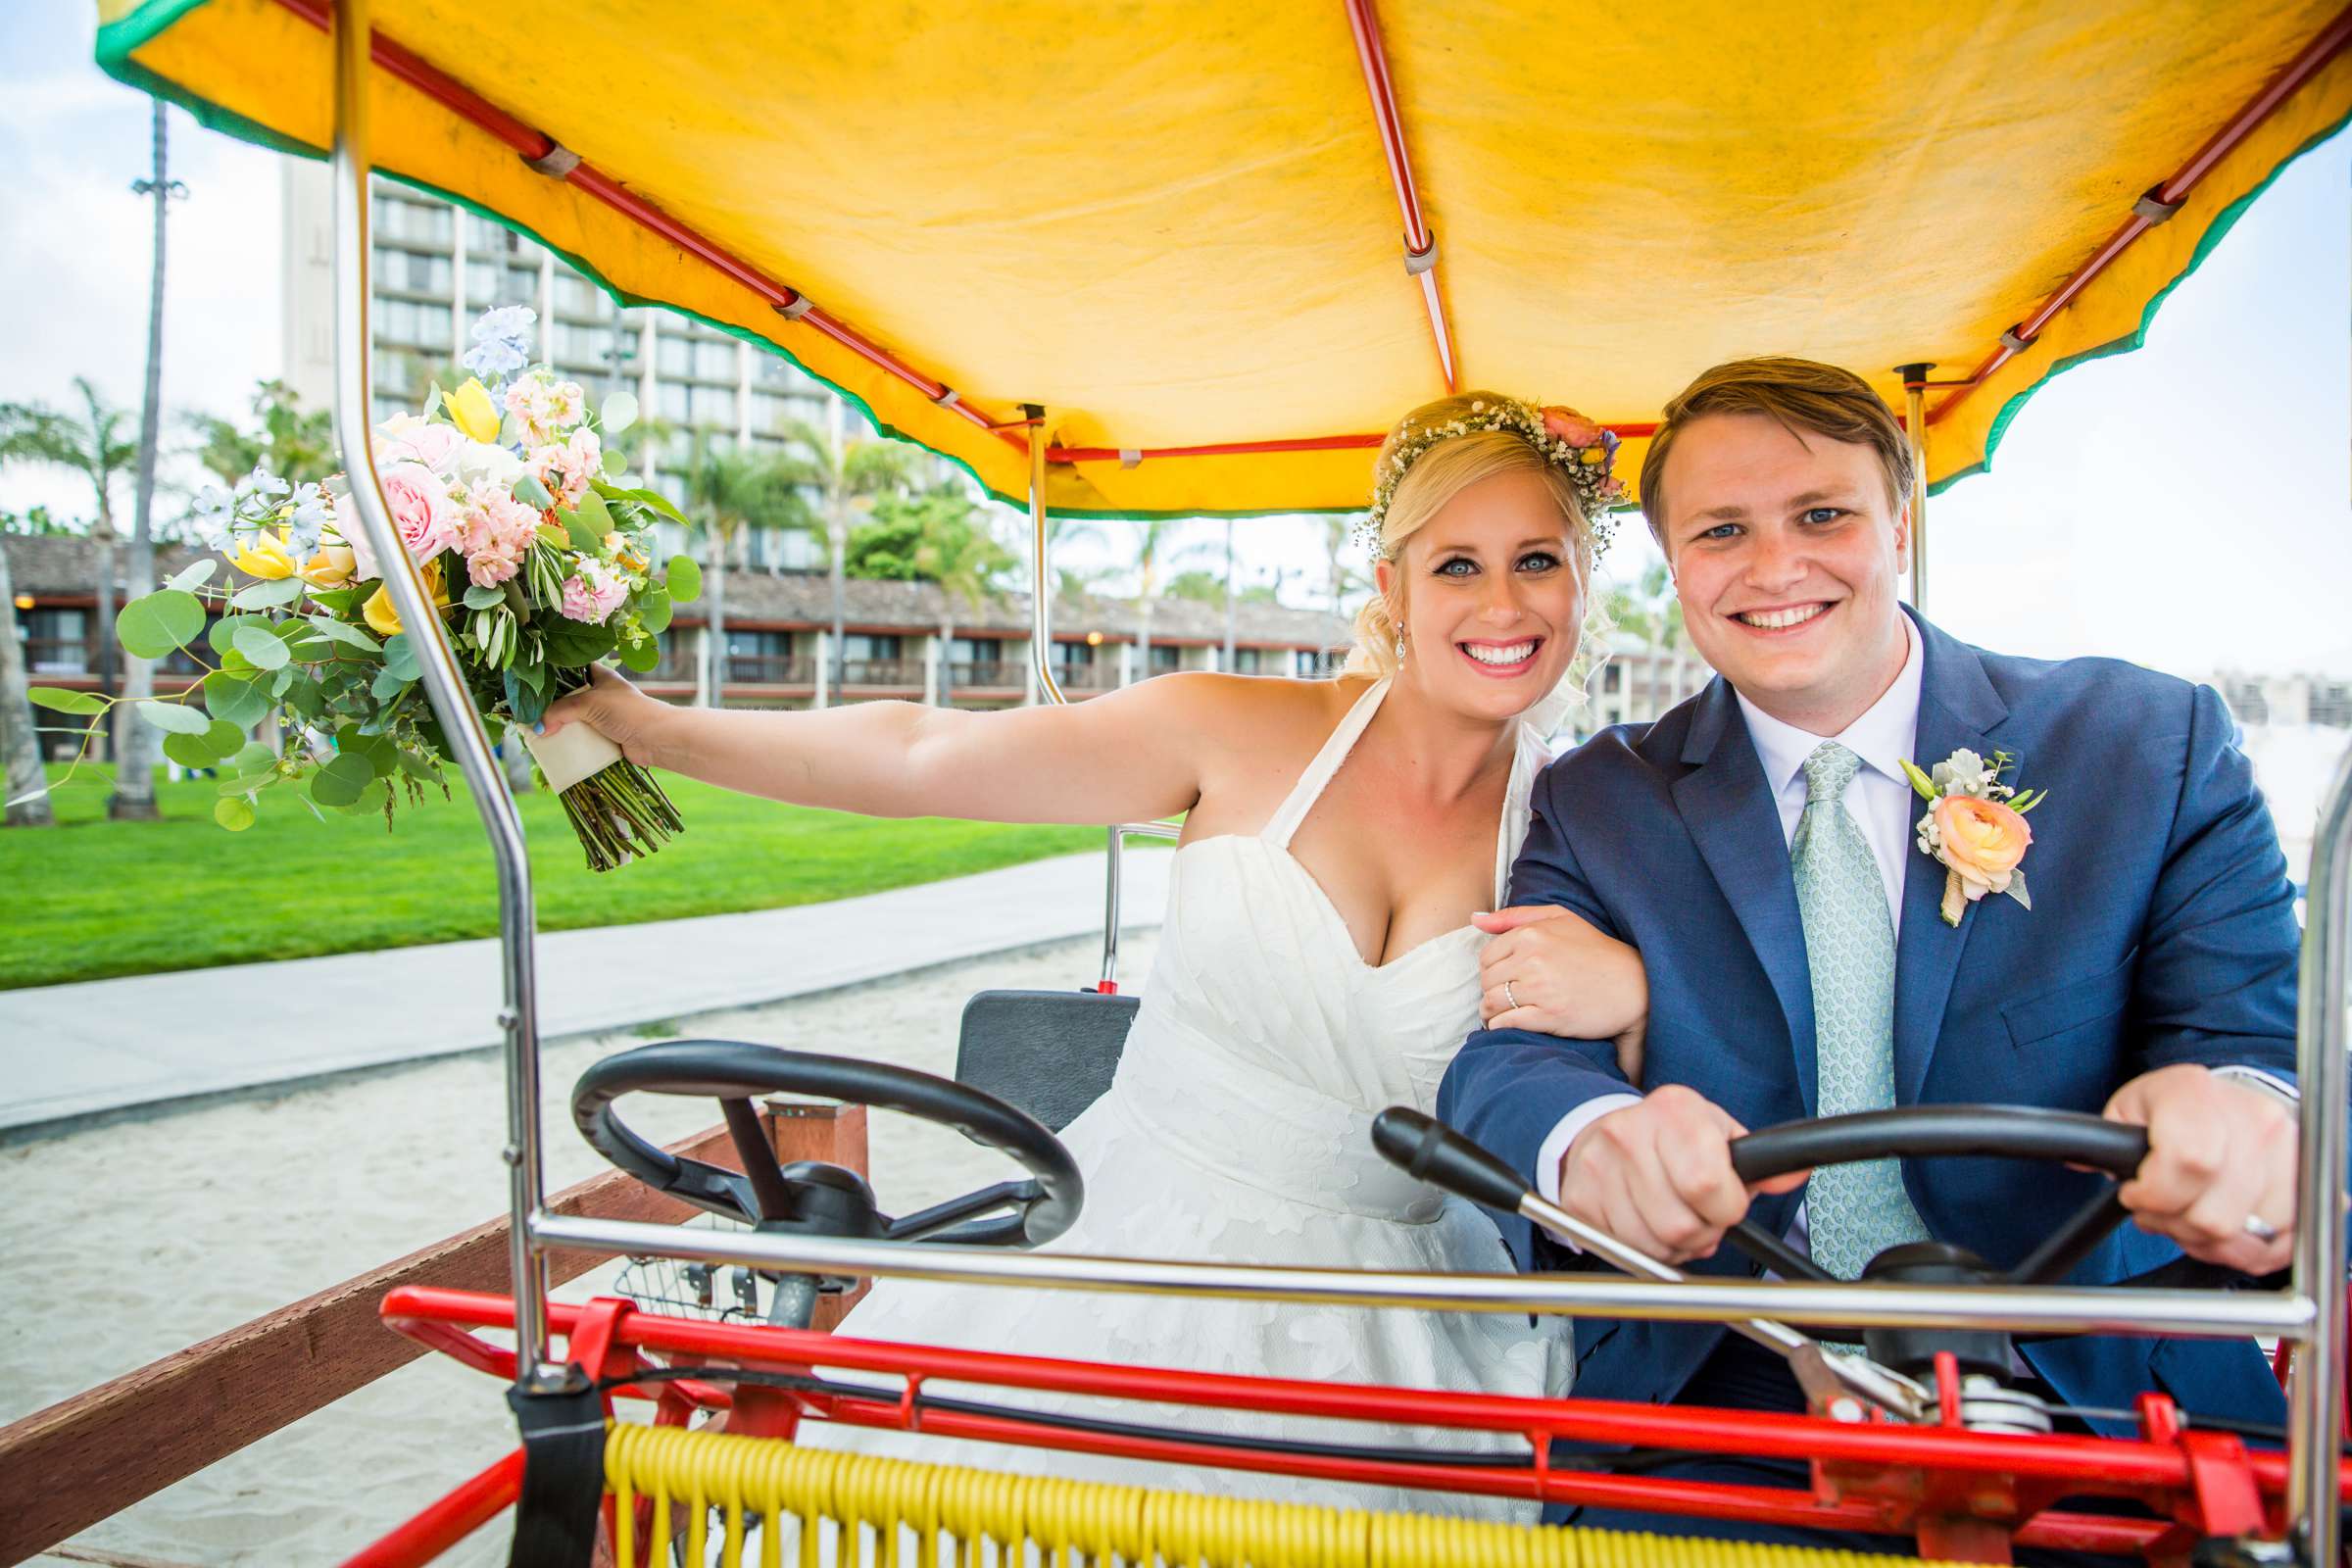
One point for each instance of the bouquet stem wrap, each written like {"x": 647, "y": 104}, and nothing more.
{"x": 616, "y": 808}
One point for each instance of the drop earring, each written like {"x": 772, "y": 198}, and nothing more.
{"x": 1401, "y": 648}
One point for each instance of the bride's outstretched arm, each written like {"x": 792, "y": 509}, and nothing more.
{"x": 1133, "y": 754}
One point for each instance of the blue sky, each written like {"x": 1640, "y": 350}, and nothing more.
{"x": 2185, "y": 507}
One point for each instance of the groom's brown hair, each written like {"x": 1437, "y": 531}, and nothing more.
{"x": 1804, "y": 397}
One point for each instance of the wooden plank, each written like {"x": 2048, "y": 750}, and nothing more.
{"x": 96, "y": 1453}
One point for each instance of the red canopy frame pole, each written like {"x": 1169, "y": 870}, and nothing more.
{"x": 550, "y": 157}
{"x": 1420, "y": 245}
{"x": 2163, "y": 200}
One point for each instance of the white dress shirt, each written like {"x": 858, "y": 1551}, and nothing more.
{"x": 1884, "y": 807}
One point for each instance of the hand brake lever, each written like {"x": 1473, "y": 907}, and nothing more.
{"x": 1428, "y": 1149}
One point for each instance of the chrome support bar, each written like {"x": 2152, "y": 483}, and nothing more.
{"x": 2316, "y": 1389}
{"x": 2075, "y": 1310}
{"x": 1118, "y": 832}
{"x": 443, "y": 686}
{"x": 1041, "y": 568}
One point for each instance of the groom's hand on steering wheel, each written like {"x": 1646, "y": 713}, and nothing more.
{"x": 1658, "y": 1175}
{"x": 2220, "y": 1176}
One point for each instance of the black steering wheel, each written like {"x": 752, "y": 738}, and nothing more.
{"x": 810, "y": 1197}
{"x": 1912, "y": 1132}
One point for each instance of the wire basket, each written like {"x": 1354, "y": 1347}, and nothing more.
{"x": 709, "y": 1291}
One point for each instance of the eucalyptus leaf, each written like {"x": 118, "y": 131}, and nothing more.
{"x": 386, "y": 686}
{"x": 223, "y": 739}
{"x": 176, "y": 718}
{"x": 189, "y": 751}
{"x": 58, "y": 699}
{"x": 342, "y": 780}
{"x": 233, "y": 814}
{"x": 646, "y": 495}
{"x": 685, "y": 579}
{"x": 234, "y": 700}
{"x": 583, "y": 534}
{"x": 222, "y": 633}
{"x": 195, "y": 574}
{"x": 619, "y": 413}
{"x": 268, "y": 595}
{"x": 344, "y": 632}
{"x": 155, "y": 625}
{"x": 641, "y": 656}
{"x": 400, "y": 657}
{"x": 531, "y": 493}
{"x": 252, "y": 759}
{"x": 592, "y": 507}
{"x": 281, "y": 683}
{"x": 654, "y": 614}
{"x": 262, "y": 646}
{"x": 480, "y": 598}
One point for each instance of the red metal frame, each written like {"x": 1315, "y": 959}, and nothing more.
{"x": 1420, "y": 245}
{"x": 1961, "y": 1494}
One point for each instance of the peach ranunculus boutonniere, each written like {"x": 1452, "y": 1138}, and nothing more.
{"x": 1974, "y": 828}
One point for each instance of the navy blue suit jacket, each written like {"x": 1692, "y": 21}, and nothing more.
{"x": 2162, "y": 931}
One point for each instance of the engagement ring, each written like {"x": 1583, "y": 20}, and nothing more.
{"x": 2262, "y": 1230}
{"x": 1508, "y": 998}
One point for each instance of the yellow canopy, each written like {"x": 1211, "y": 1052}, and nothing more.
{"x": 1171, "y": 224}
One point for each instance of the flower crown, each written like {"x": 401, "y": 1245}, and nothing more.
{"x": 1564, "y": 437}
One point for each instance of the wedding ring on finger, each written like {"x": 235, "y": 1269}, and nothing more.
{"x": 1513, "y": 1003}
{"x": 2262, "y": 1230}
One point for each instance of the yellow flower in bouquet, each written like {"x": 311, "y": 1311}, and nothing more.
{"x": 270, "y": 558}
{"x": 378, "y": 613}
{"x": 471, "y": 412}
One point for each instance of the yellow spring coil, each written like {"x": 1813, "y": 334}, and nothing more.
{"x": 1058, "y": 1523}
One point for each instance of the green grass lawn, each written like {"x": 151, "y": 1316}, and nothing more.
{"x": 92, "y": 897}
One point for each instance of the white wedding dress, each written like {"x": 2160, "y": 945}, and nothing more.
{"x": 1237, "y": 1130}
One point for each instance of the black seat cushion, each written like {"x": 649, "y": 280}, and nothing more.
{"x": 1051, "y": 1052}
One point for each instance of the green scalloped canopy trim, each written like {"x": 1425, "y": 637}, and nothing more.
{"x": 2214, "y": 231}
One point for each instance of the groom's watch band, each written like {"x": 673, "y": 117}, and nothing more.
{"x": 2268, "y": 1082}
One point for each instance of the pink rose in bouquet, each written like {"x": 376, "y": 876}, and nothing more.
{"x": 405, "y": 438}
{"x": 422, "y": 513}
{"x": 594, "y": 592}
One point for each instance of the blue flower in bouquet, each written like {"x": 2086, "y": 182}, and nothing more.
{"x": 213, "y": 511}
{"x": 502, "y": 342}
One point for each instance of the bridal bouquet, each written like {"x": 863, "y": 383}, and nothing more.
{"x": 532, "y": 543}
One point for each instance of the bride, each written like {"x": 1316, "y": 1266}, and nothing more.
{"x": 1318, "y": 961}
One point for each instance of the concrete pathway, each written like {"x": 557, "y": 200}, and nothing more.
{"x": 73, "y": 1052}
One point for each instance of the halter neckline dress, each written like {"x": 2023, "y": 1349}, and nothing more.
{"x": 1237, "y": 1129}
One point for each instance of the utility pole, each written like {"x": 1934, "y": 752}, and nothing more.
{"x": 1227, "y": 666}
{"x": 137, "y": 744}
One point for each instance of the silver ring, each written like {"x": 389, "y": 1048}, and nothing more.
{"x": 2262, "y": 1230}
{"x": 1514, "y": 1006}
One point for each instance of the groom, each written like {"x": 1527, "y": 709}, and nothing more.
{"x": 1759, "y": 846}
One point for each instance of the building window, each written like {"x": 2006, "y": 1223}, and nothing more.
{"x": 858, "y": 646}
{"x": 717, "y": 361}
{"x": 57, "y": 642}
{"x": 1249, "y": 661}
{"x": 1165, "y": 659}
{"x": 576, "y": 296}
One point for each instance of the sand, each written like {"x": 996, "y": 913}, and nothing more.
{"x": 129, "y": 1242}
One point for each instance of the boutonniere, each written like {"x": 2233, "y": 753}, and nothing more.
{"x": 1974, "y": 828}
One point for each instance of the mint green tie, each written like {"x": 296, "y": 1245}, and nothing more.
{"x": 1853, "y": 1211}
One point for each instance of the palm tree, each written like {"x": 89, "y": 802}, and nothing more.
{"x": 93, "y": 446}
{"x": 849, "y": 476}
{"x": 139, "y": 746}
{"x": 28, "y": 786}
{"x": 959, "y": 553}
{"x": 1151, "y": 538}
{"x": 295, "y": 443}
{"x": 728, "y": 491}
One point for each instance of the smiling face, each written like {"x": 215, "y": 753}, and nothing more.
{"x": 1490, "y": 594}
{"x": 1785, "y": 553}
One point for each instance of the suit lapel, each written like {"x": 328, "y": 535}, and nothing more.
{"x": 1727, "y": 806}
{"x": 1957, "y": 709}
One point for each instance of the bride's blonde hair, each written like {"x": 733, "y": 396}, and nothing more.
{"x": 1440, "y": 473}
